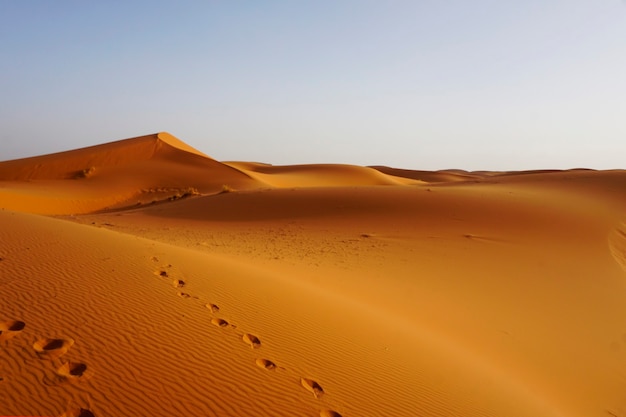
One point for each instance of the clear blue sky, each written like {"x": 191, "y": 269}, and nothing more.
{"x": 421, "y": 84}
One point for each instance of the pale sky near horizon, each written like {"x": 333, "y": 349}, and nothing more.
{"x": 422, "y": 84}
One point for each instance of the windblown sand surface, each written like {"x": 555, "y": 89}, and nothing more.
{"x": 144, "y": 278}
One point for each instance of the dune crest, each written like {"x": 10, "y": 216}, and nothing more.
{"x": 174, "y": 142}
{"x": 319, "y": 175}
{"x": 77, "y": 163}
{"x": 124, "y": 173}
{"x": 443, "y": 176}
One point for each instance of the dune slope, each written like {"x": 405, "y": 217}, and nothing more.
{"x": 131, "y": 315}
{"x": 133, "y": 171}
{"x": 496, "y": 274}
{"x": 319, "y": 175}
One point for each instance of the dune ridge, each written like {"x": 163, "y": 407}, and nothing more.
{"x": 319, "y": 175}
{"x": 169, "y": 283}
{"x": 136, "y": 171}
{"x": 433, "y": 176}
{"x": 80, "y": 163}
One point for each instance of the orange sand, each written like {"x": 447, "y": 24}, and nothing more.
{"x": 161, "y": 282}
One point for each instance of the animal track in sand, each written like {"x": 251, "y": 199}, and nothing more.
{"x": 178, "y": 283}
{"x": 52, "y": 348}
{"x": 312, "y": 386}
{"x": 219, "y": 322}
{"x": 329, "y": 413}
{"x": 78, "y": 412}
{"x": 266, "y": 364}
{"x": 252, "y": 340}
{"x": 10, "y": 328}
{"x": 214, "y": 308}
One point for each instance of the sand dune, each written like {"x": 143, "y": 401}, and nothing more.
{"x": 433, "y": 176}
{"x": 129, "y": 172}
{"x": 313, "y": 290}
{"x": 82, "y": 163}
{"x": 319, "y": 175}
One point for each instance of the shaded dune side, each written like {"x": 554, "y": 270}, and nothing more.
{"x": 605, "y": 188}
{"x": 274, "y": 204}
{"x": 319, "y": 175}
{"x": 416, "y": 205}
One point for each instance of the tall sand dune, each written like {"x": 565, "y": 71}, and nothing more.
{"x": 129, "y": 172}
{"x": 312, "y": 290}
{"x": 78, "y": 163}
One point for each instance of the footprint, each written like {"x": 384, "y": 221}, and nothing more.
{"x": 186, "y": 295}
{"x": 219, "y": 322}
{"x": 161, "y": 273}
{"x": 252, "y": 340}
{"x": 10, "y": 328}
{"x": 52, "y": 348}
{"x": 78, "y": 412}
{"x": 214, "y": 308}
{"x": 74, "y": 371}
{"x": 329, "y": 413}
{"x": 178, "y": 283}
{"x": 266, "y": 364}
{"x": 312, "y": 386}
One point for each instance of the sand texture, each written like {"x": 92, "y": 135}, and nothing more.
{"x": 144, "y": 278}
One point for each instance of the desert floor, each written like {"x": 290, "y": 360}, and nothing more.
{"x": 144, "y": 278}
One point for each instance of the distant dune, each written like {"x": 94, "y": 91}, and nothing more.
{"x": 432, "y": 176}
{"x": 318, "y": 175}
{"x": 144, "y": 278}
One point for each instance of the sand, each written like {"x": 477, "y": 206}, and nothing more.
{"x": 144, "y": 278}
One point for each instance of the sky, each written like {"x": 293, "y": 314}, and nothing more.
{"x": 419, "y": 84}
